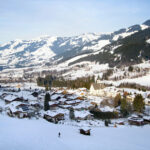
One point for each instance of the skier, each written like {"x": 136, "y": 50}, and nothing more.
{"x": 59, "y": 134}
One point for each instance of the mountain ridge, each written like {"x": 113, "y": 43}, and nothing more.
{"x": 51, "y": 49}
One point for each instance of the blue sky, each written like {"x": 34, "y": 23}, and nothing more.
{"x": 26, "y": 19}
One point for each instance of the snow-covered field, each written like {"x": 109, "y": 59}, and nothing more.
{"x": 24, "y": 134}
{"x": 144, "y": 80}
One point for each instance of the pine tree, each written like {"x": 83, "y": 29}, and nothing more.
{"x": 106, "y": 123}
{"x": 71, "y": 114}
{"x": 138, "y": 103}
{"x": 130, "y": 69}
{"x": 124, "y": 107}
{"x": 46, "y": 101}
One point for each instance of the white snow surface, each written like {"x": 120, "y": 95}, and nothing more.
{"x": 97, "y": 46}
{"x": 144, "y": 80}
{"x": 148, "y": 41}
{"x": 39, "y": 134}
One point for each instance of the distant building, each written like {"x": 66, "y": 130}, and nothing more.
{"x": 99, "y": 89}
{"x": 96, "y": 89}
{"x": 53, "y": 116}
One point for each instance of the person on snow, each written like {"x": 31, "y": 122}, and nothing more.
{"x": 59, "y": 134}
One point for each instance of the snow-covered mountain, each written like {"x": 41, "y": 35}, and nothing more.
{"x": 47, "y": 49}
{"x": 103, "y": 49}
{"x": 21, "y": 53}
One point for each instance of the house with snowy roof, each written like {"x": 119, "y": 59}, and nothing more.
{"x": 56, "y": 96}
{"x": 135, "y": 120}
{"x": 17, "y": 109}
{"x": 82, "y": 115}
{"x": 53, "y": 105}
{"x": 73, "y": 102}
{"x": 53, "y": 116}
{"x": 11, "y": 98}
{"x": 62, "y": 101}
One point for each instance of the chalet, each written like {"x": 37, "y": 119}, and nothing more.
{"x": 17, "y": 109}
{"x": 3, "y": 95}
{"x": 147, "y": 101}
{"x": 148, "y": 96}
{"x": 65, "y": 106}
{"x": 85, "y": 131}
{"x": 73, "y": 102}
{"x": 11, "y": 98}
{"x": 81, "y": 107}
{"x": 80, "y": 98}
{"x": 62, "y": 101}
{"x": 146, "y": 119}
{"x": 82, "y": 115}
{"x": 17, "y": 113}
{"x": 29, "y": 97}
{"x": 53, "y": 105}
{"x": 72, "y": 96}
{"x": 56, "y": 97}
{"x": 136, "y": 121}
{"x": 96, "y": 89}
{"x": 35, "y": 94}
{"x": 35, "y": 104}
{"x": 24, "y": 107}
{"x": 52, "y": 116}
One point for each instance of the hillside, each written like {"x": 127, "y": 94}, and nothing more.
{"x": 127, "y": 51}
{"x": 47, "y": 50}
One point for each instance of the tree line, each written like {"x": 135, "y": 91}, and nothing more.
{"x": 51, "y": 81}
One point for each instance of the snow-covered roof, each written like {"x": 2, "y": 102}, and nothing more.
{"x": 15, "y": 104}
{"x": 52, "y": 102}
{"x": 135, "y": 119}
{"x": 12, "y": 106}
{"x": 73, "y": 101}
{"x": 65, "y": 106}
{"x": 10, "y": 97}
{"x": 62, "y": 99}
{"x": 82, "y": 105}
{"x": 148, "y": 41}
{"x": 55, "y": 96}
{"x": 52, "y": 113}
{"x": 81, "y": 114}
{"x": 33, "y": 102}
{"x": 72, "y": 96}
{"x": 146, "y": 118}
{"x": 85, "y": 128}
{"x": 107, "y": 109}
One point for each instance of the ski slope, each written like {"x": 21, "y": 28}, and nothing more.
{"x": 25, "y": 134}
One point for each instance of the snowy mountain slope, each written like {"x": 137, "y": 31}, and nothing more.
{"x": 21, "y": 53}
{"x": 51, "y": 50}
{"x": 130, "y": 50}
{"x": 103, "y": 40}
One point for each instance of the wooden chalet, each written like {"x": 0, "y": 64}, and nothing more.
{"x": 35, "y": 94}
{"x": 53, "y": 116}
{"x": 136, "y": 121}
{"x": 11, "y": 98}
{"x": 83, "y": 115}
{"x": 85, "y": 131}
